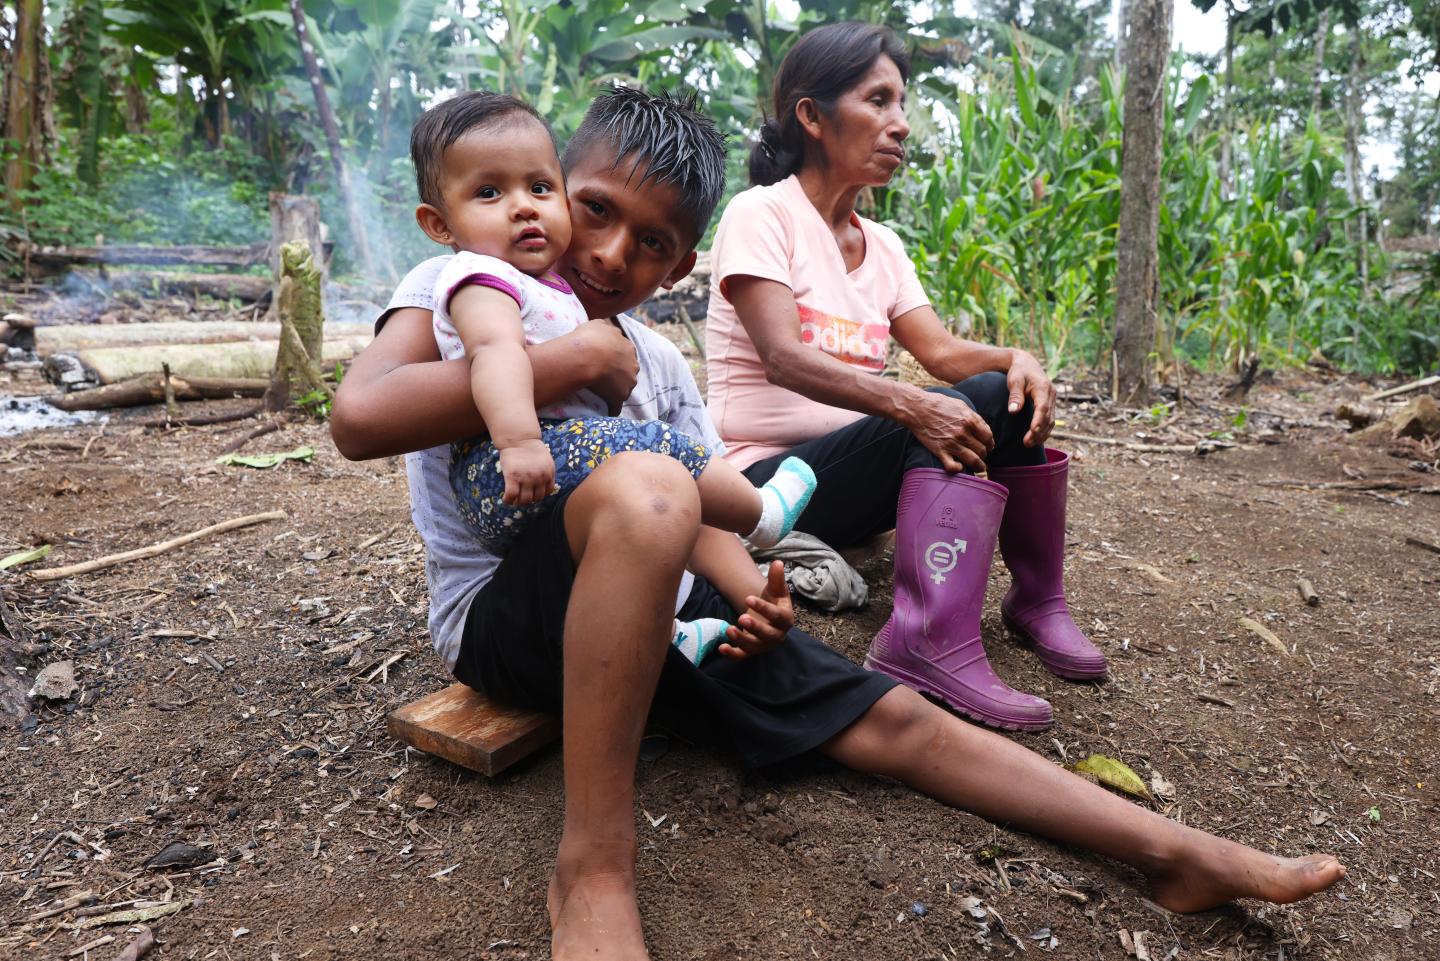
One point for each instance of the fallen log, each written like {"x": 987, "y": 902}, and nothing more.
{"x": 1414, "y": 385}
{"x": 254, "y": 358}
{"x": 150, "y": 389}
{"x": 61, "y": 258}
{"x": 245, "y": 287}
{"x": 73, "y": 337}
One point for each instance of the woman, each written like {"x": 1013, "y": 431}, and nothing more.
{"x": 805, "y": 297}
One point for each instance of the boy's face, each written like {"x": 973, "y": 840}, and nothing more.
{"x": 503, "y": 195}
{"x": 627, "y": 238}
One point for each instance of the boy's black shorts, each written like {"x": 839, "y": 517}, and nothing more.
{"x": 769, "y": 708}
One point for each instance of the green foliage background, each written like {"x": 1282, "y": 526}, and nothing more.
{"x": 175, "y": 118}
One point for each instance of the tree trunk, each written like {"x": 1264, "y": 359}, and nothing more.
{"x": 24, "y": 100}
{"x": 1122, "y": 31}
{"x": 1353, "y": 120}
{"x": 1227, "y": 133}
{"x": 1137, "y": 251}
{"x": 1322, "y": 33}
{"x": 332, "y": 139}
{"x": 294, "y": 218}
{"x": 301, "y": 327}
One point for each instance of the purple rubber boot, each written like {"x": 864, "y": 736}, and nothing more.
{"x": 945, "y": 530}
{"x": 1032, "y": 542}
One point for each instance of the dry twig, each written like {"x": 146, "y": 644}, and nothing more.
{"x": 100, "y": 563}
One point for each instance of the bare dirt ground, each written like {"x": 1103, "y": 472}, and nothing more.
{"x": 233, "y": 693}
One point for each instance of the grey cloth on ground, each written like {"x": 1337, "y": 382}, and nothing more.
{"x": 816, "y": 572}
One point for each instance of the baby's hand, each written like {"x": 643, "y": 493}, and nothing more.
{"x": 766, "y": 619}
{"x": 529, "y": 471}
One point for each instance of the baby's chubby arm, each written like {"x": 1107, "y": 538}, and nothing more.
{"x": 503, "y": 384}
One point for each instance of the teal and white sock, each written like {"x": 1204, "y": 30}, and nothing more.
{"x": 697, "y": 639}
{"x": 782, "y": 500}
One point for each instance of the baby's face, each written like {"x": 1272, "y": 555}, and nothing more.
{"x": 504, "y": 195}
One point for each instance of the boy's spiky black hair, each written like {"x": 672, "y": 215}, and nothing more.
{"x": 667, "y": 135}
{"x": 439, "y": 127}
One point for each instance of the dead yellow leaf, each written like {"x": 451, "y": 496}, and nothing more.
{"x": 1265, "y": 634}
{"x": 1115, "y": 774}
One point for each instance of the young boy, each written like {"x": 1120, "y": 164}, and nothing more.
{"x": 491, "y": 190}
{"x": 577, "y": 615}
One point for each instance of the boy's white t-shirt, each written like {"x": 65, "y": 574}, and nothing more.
{"x": 456, "y": 564}
{"x": 548, "y": 309}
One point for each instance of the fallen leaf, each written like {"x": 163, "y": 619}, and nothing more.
{"x": 426, "y": 803}
{"x": 56, "y": 681}
{"x": 974, "y": 907}
{"x": 178, "y": 854}
{"x": 239, "y": 933}
{"x": 26, "y": 557}
{"x": 132, "y": 917}
{"x": 1152, "y": 572}
{"x": 1265, "y": 634}
{"x": 1116, "y": 774}
{"x": 265, "y": 461}
{"x": 1161, "y": 788}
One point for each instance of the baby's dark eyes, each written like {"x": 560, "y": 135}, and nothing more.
{"x": 541, "y": 188}
{"x": 487, "y": 193}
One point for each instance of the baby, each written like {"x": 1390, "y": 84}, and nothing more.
{"x": 494, "y": 192}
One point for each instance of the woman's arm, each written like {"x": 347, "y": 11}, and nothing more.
{"x": 399, "y": 396}
{"x": 952, "y": 360}
{"x": 948, "y": 427}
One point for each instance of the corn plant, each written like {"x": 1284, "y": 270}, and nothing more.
{"x": 1013, "y": 223}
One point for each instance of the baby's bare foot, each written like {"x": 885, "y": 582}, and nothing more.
{"x": 1211, "y": 872}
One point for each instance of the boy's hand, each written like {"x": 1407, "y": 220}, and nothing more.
{"x": 617, "y": 365}
{"x": 765, "y": 621}
{"x": 529, "y": 470}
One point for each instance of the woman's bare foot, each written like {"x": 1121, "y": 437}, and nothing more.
{"x": 1210, "y": 871}
{"x": 593, "y": 912}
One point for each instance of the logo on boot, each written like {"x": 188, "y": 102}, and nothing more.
{"x": 947, "y": 518}
{"x": 941, "y": 558}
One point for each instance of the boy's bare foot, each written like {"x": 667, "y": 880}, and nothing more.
{"x": 593, "y": 912}
{"x": 1210, "y": 871}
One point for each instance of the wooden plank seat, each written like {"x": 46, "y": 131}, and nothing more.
{"x": 466, "y": 728}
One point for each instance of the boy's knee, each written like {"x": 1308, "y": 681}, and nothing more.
{"x": 644, "y": 492}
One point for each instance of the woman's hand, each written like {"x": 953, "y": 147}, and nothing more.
{"x": 766, "y": 619}
{"x": 616, "y": 366}
{"x": 1026, "y": 378}
{"x": 950, "y": 429}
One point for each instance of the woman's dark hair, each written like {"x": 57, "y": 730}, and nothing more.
{"x": 823, "y": 65}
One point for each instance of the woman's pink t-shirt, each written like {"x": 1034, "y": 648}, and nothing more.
{"x": 776, "y": 233}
